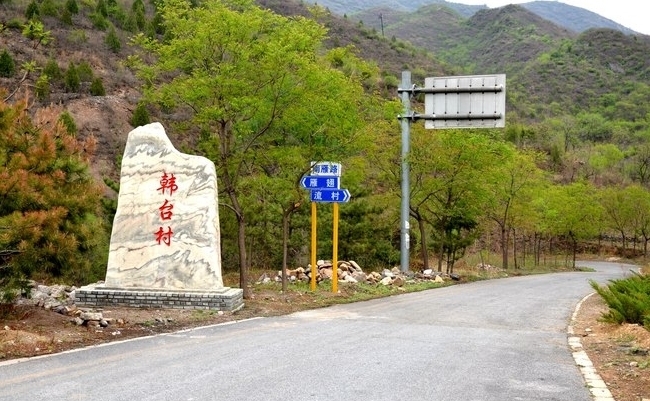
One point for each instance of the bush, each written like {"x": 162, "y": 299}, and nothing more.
{"x": 53, "y": 71}
{"x": 140, "y": 116}
{"x": 97, "y": 87}
{"x": 628, "y": 300}
{"x": 113, "y": 41}
{"x": 42, "y": 87}
{"x": 72, "y": 6}
{"x": 72, "y": 80}
{"x": 32, "y": 10}
{"x": 7, "y": 65}
{"x": 85, "y": 72}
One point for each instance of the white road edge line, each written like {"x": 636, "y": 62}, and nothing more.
{"x": 171, "y": 334}
{"x": 596, "y": 384}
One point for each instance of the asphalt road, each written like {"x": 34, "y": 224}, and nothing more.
{"x": 492, "y": 340}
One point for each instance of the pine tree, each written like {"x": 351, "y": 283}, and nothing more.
{"x": 97, "y": 87}
{"x": 50, "y": 222}
{"x": 7, "y": 65}
{"x": 140, "y": 115}
{"x": 113, "y": 41}
{"x": 72, "y": 80}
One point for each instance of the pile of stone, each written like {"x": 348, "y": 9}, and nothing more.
{"x": 61, "y": 299}
{"x": 351, "y": 272}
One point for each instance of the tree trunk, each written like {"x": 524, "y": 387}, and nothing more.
{"x": 504, "y": 246}
{"x": 514, "y": 248}
{"x": 423, "y": 243}
{"x": 286, "y": 217}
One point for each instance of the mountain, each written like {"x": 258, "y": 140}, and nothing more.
{"x": 573, "y": 18}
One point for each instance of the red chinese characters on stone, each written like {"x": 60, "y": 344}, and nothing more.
{"x": 164, "y": 236}
{"x": 168, "y": 183}
{"x": 166, "y": 210}
{"x": 167, "y": 186}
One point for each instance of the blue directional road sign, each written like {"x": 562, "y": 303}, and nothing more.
{"x": 330, "y": 195}
{"x": 316, "y": 182}
{"x": 326, "y": 168}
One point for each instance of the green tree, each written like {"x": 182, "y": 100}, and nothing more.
{"x": 85, "y": 71}
{"x": 620, "y": 212}
{"x": 72, "y": 6}
{"x": 507, "y": 184}
{"x": 113, "y": 41}
{"x": 447, "y": 192}
{"x": 32, "y": 11}
{"x": 50, "y": 227}
{"x": 72, "y": 81}
{"x": 238, "y": 70}
{"x": 35, "y": 31}
{"x": 52, "y": 70}
{"x": 42, "y": 87}
{"x": 572, "y": 211}
{"x": 7, "y": 65}
{"x": 140, "y": 115}
{"x": 97, "y": 87}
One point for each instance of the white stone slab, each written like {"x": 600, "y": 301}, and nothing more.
{"x": 162, "y": 189}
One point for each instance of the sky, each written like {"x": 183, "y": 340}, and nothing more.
{"x": 629, "y": 13}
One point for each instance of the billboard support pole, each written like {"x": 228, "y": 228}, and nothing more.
{"x": 406, "y": 195}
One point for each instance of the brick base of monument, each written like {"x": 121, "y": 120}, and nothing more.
{"x": 224, "y": 299}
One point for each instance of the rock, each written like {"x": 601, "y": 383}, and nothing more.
{"x": 428, "y": 272}
{"x": 178, "y": 246}
{"x": 78, "y": 321}
{"x": 398, "y": 281}
{"x": 356, "y": 266}
{"x": 360, "y": 277}
{"x": 349, "y": 279}
{"x": 439, "y": 279}
{"x": 386, "y": 281}
{"x": 103, "y": 323}
{"x": 326, "y": 273}
{"x": 454, "y": 277}
{"x": 94, "y": 316}
{"x": 387, "y": 273}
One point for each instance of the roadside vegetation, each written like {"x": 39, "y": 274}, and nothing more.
{"x": 628, "y": 300}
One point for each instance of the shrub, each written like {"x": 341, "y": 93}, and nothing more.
{"x": 42, "y": 87}
{"x": 68, "y": 122}
{"x": 72, "y": 80}
{"x": 7, "y": 65}
{"x": 628, "y": 300}
{"x": 52, "y": 70}
{"x": 140, "y": 116}
{"x": 49, "y": 8}
{"x": 32, "y": 10}
{"x": 113, "y": 41}
{"x": 72, "y": 6}
{"x": 85, "y": 72}
{"x": 97, "y": 87}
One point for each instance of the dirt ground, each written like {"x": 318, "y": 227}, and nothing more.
{"x": 619, "y": 353}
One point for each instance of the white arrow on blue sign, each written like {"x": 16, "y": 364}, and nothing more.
{"x": 330, "y": 195}
{"x": 316, "y": 182}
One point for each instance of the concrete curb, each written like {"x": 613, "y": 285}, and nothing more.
{"x": 595, "y": 383}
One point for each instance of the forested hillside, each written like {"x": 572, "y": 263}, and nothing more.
{"x": 264, "y": 88}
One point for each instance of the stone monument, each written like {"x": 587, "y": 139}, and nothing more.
{"x": 165, "y": 248}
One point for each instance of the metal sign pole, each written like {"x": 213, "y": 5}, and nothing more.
{"x": 406, "y": 194}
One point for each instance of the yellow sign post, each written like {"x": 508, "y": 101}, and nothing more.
{"x": 324, "y": 184}
{"x": 314, "y": 270}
